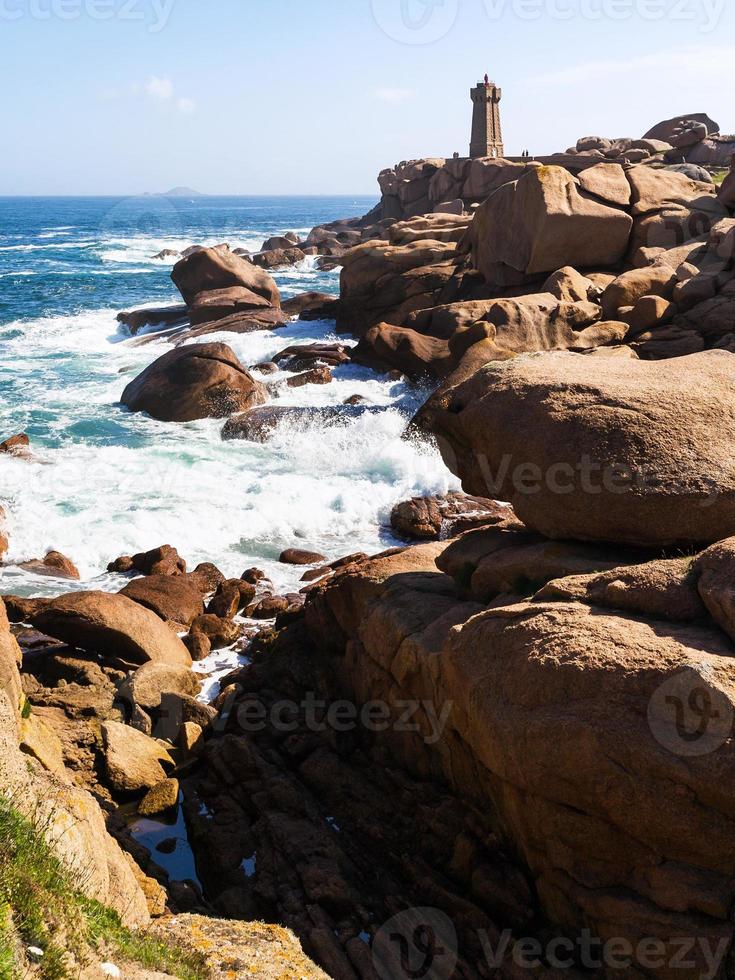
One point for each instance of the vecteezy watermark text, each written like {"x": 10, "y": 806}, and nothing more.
{"x": 421, "y": 718}
{"x": 423, "y": 944}
{"x": 418, "y": 22}
{"x": 154, "y": 13}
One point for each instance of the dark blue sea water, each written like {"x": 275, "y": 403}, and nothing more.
{"x": 67, "y": 255}
{"x": 105, "y": 482}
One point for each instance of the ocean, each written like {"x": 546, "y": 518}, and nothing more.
{"x": 104, "y": 482}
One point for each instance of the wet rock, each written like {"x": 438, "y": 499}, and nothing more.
{"x": 163, "y": 560}
{"x": 300, "y": 357}
{"x": 21, "y": 610}
{"x": 175, "y": 598}
{"x": 211, "y": 268}
{"x": 267, "y": 367}
{"x": 216, "y": 304}
{"x": 220, "y": 632}
{"x": 18, "y": 445}
{"x": 317, "y": 376}
{"x": 253, "y": 576}
{"x": 207, "y": 577}
{"x": 163, "y": 317}
{"x": 280, "y": 241}
{"x": 199, "y": 646}
{"x": 112, "y": 625}
{"x": 432, "y": 518}
{"x": 54, "y": 565}
{"x": 278, "y": 258}
{"x": 231, "y": 596}
{"x": 194, "y": 382}
{"x": 268, "y": 607}
{"x": 133, "y": 761}
{"x": 311, "y": 306}
{"x": 243, "y": 321}
{"x": 259, "y": 424}
{"x": 296, "y": 556}
{"x": 160, "y": 799}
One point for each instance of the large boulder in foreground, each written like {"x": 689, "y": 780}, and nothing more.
{"x": 213, "y": 268}
{"x": 599, "y": 740}
{"x": 113, "y": 626}
{"x": 541, "y": 223}
{"x": 194, "y": 382}
{"x": 601, "y": 449}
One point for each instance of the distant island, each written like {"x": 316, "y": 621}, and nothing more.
{"x": 182, "y": 192}
{"x": 176, "y": 192}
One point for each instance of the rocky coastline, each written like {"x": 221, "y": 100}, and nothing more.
{"x": 509, "y": 734}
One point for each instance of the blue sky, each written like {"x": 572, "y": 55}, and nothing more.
{"x": 316, "y": 96}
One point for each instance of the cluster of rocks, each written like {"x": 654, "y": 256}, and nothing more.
{"x": 565, "y": 652}
{"x": 692, "y": 139}
{"x": 565, "y": 643}
{"x": 452, "y": 186}
{"x": 223, "y": 293}
{"x": 626, "y": 260}
{"x": 40, "y": 775}
{"x": 327, "y": 243}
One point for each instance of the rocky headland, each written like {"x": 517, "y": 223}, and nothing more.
{"x": 506, "y": 746}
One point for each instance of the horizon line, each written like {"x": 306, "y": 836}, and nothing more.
{"x": 184, "y": 197}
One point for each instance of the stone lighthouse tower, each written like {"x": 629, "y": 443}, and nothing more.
{"x": 487, "y": 136}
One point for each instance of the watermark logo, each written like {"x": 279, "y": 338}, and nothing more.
{"x": 689, "y": 715}
{"x": 415, "y": 21}
{"x": 418, "y": 944}
{"x": 426, "y": 21}
{"x": 423, "y": 944}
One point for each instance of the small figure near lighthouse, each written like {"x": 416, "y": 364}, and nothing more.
{"x": 487, "y": 136}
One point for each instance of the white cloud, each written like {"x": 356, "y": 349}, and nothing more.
{"x": 186, "y": 106}
{"x": 394, "y": 94}
{"x": 159, "y": 88}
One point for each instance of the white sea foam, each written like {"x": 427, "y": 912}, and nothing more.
{"x": 56, "y": 247}
{"x": 107, "y": 482}
{"x": 143, "y": 249}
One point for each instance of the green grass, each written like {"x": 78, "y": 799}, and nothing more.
{"x": 41, "y": 906}
{"x": 718, "y": 176}
{"x": 6, "y": 944}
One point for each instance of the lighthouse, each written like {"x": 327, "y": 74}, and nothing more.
{"x": 487, "y": 135}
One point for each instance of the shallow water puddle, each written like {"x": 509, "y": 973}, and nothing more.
{"x": 177, "y": 858}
